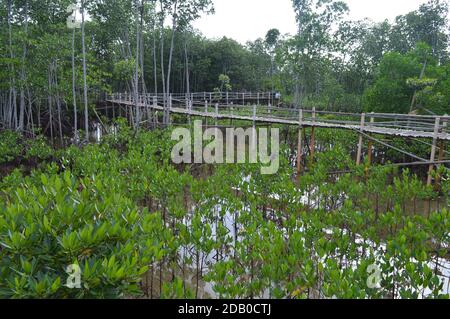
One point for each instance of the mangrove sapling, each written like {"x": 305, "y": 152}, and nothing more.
{"x": 85, "y": 244}
{"x": 272, "y": 248}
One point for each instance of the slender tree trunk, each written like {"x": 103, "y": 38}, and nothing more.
{"x": 136, "y": 75}
{"x": 163, "y": 78}
{"x": 142, "y": 48}
{"x": 186, "y": 61}
{"x": 155, "y": 65}
{"x": 74, "y": 93}
{"x": 58, "y": 104}
{"x": 172, "y": 43}
{"x": 12, "y": 117}
{"x": 30, "y": 113}
{"x": 169, "y": 67}
{"x": 86, "y": 106}
{"x": 50, "y": 102}
{"x": 23, "y": 74}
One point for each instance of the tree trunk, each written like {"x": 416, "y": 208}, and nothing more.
{"x": 186, "y": 60}
{"x": 12, "y": 116}
{"x": 74, "y": 93}
{"x": 155, "y": 71}
{"x": 136, "y": 75}
{"x": 172, "y": 44}
{"x": 86, "y": 106}
{"x": 23, "y": 74}
{"x": 162, "y": 61}
{"x": 142, "y": 49}
{"x": 58, "y": 104}
{"x": 30, "y": 113}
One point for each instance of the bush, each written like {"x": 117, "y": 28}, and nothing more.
{"x": 46, "y": 227}
{"x": 10, "y": 146}
{"x": 13, "y": 146}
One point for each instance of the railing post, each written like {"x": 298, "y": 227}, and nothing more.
{"x": 360, "y": 144}
{"x": 254, "y": 114}
{"x": 442, "y": 146}
{"x": 206, "y": 106}
{"x": 433, "y": 150}
{"x": 370, "y": 147}
{"x": 313, "y": 137}
{"x": 217, "y": 114}
{"x": 300, "y": 146}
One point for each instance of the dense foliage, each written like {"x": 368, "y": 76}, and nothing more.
{"x": 332, "y": 63}
{"x": 127, "y": 216}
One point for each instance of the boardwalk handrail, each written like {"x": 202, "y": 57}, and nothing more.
{"x": 406, "y": 125}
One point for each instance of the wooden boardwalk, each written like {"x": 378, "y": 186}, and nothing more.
{"x": 413, "y": 126}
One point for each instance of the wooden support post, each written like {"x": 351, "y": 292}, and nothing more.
{"x": 216, "y": 116}
{"x": 360, "y": 144}
{"x": 190, "y": 102}
{"x": 312, "y": 145}
{"x": 227, "y": 97}
{"x": 433, "y": 150}
{"x": 206, "y": 106}
{"x": 442, "y": 146}
{"x": 254, "y": 115}
{"x": 370, "y": 150}
{"x": 300, "y": 146}
{"x": 114, "y": 111}
{"x": 313, "y": 138}
{"x": 258, "y": 99}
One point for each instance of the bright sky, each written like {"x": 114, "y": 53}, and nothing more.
{"x": 245, "y": 20}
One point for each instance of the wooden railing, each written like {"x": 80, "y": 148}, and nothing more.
{"x": 389, "y": 124}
